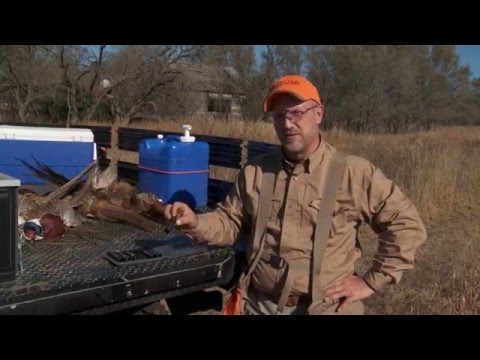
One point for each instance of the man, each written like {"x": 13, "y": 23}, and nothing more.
{"x": 295, "y": 266}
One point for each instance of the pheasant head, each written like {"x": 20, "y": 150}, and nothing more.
{"x": 48, "y": 226}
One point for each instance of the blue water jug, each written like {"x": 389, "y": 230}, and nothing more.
{"x": 175, "y": 168}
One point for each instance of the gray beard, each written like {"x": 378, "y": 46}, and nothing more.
{"x": 294, "y": 148}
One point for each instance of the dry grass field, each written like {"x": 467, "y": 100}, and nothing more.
{"x": 439, "y": 170}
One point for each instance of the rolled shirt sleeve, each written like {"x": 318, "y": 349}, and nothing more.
{"x": 223, "y": 225}
{"x": 398, "y": 225}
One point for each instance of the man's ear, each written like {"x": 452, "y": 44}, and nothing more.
{"x": 319, "y": 111}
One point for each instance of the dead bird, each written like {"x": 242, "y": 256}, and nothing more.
{"x": 100, "y": 196}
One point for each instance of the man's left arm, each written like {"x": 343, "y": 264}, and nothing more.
{"x": 398, "y": 225}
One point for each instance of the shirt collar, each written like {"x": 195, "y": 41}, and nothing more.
{"x": 309, "y": 163}
{"x": 316, "y": 158}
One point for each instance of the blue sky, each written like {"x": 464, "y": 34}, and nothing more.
{"x": 470, "y": 55}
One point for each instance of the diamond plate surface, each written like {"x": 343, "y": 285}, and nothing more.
{"x": 75, "y": 262}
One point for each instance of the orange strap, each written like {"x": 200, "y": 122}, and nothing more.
{"x": 233, "y": 303}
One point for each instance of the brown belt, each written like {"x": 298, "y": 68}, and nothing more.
{"x": 295, "y": 300}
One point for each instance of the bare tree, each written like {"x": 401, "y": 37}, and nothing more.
{"x": 27, "y": 75}
{"x": 139, "y": 73}
{"x": 365, "y": 88}
{"x": 83, "y": 73}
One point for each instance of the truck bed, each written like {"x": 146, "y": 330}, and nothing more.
{"x": 70, "y": 276}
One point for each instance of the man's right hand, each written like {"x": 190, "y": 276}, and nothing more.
{"x": 186, "y": 218}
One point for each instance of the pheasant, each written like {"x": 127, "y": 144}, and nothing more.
{"x": 101, "y": 196}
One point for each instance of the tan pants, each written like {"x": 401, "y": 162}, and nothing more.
{"x": 261, "y": 304}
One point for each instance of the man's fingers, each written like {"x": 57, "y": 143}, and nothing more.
{"x": 184, "y": 218}
{"x": 343, "y": 289}
{"x": 177, "y": 209}
{"x": 178, "y": 212}
{"x": 180, "y": 215}
{"x": 168, "y": 211}
{"x": 337, "y": 295}
{"x": 351, "y": 289}
{"x": 344, "y": 303}
{"x": 333, "y": 289}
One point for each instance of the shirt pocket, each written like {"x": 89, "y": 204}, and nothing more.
{"x": 310, "y": 213}
{"x": 343, "y": 221}
{"x": 275, "y": 210}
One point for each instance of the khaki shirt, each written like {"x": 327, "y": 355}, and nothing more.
{"x": 365, "y": 195}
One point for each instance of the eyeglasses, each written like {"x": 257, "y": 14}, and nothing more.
{"x": 293, "y": 116}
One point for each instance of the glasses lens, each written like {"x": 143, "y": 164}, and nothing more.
{"x": 292, "y": 115}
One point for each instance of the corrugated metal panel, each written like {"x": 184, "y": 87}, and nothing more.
{"x": 255, "y": 149}
{"x": 102, "y": 134}
{"x": 217, "y": 190}
{"x": 127, "y": 171}
{"x": 224, "y": 152}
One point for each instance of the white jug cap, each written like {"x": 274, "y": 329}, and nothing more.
{"x": 186, "y": 134}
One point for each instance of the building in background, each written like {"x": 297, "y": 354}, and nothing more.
{"x": 213, "y": 90}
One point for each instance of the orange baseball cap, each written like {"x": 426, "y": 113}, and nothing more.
{"x": 294, "y": 85}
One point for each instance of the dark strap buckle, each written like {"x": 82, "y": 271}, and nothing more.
{"x": 277, "y": 262}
